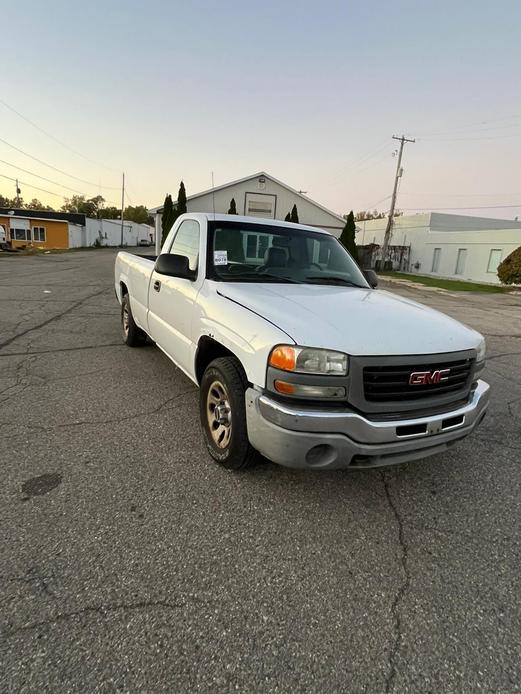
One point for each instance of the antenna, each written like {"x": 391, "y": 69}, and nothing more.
{"x": 213, "y": 198}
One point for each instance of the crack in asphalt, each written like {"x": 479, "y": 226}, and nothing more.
{"x": 102, "y": 610}
{"x": 62, "y": 349}
{"x": 403, "y": 588}
{"x": 503, "y": 354}
{"x": 71, "y": 308}
{"x": 115, "y": 420}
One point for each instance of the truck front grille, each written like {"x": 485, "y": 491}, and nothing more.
{"x": 391, "y": 383}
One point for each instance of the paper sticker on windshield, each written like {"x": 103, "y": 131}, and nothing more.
{"x": 220, "y": 257}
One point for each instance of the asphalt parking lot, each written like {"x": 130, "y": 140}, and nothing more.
{"x": 130, "y": 562}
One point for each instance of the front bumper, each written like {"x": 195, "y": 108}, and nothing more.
{"x": 300, "y": 436}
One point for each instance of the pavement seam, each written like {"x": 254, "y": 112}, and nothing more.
{"x": 403, "y": 588}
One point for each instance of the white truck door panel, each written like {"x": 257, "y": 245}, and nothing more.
{"x": 171, "y": 299}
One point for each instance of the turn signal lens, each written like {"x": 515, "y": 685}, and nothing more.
{"x": 283, "y": 387}
{"x": 307, "y": 391}
{"x": 309, "y": 360}
{"x": 283, "y": 357}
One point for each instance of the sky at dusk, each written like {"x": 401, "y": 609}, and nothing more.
{"x": 308, "y": 92}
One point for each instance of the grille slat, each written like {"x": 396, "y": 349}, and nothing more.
{"x": 391, "y": 383}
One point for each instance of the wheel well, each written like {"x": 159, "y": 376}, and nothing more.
{"x": 208, "y": 349}
{"x": 123, "y": 288}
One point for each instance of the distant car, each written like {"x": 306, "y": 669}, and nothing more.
{"x": 144, "y": 242}
{"x": 3, "y": 237}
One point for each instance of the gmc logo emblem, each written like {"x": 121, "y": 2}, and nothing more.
{"x": 428, "y": 378}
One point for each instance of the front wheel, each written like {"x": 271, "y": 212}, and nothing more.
{"x": 223, "y": 414}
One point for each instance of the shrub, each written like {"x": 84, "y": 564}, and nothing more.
{"x": 509, "y": 270}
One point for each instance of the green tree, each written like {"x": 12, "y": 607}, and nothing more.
{"x": 233, "y": 207}
{"x": 181, "y": 200}
{"x": 138, "y": 214}
{"x": 347, "y": 237}
{"x": 78, "y": 203}
{"x": 167, "y": 218}
{"x": 509, "y": 270}
{"x": 287, "y": 218}
{"x": 294, "y": 215}
{"x": 110, "y": 212}
{"x": 35, "y": 204}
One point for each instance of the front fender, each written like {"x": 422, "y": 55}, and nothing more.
{"x": 246, "y": 334}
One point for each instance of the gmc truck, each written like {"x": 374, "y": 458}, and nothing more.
{"x": 297, "y": 355}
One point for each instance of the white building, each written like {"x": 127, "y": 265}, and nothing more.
{"x": 260, "y": 195}
{"x": 107, "y": 232}
{"x": 448, "y": 245}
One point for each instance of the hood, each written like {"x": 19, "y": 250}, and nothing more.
{"x": 364, "y": 322}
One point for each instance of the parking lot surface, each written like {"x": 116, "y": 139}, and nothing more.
{"x": 129, "y": 561}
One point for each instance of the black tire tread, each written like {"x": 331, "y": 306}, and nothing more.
{"x": 135, "y": 337}
{"x": 236, "y": 381}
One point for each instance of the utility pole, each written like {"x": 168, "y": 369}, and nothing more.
{"x": 390, "y": 219}
{"x": 122, "y": 206}
{"x": 17, "y": 194}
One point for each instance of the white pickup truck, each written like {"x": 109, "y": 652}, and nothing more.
{"x": 295, "y": 352}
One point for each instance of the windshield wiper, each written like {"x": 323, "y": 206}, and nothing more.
{"x": 339, "y": 280}
{"x": 259, "y": 277}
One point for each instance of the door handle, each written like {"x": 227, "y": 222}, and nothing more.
{"x": 157, "y": 285}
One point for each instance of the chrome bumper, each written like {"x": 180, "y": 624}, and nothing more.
{"x": 299, "y": 436}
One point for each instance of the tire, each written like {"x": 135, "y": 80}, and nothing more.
{"x": 223, "y": 414}
{"x": 132, "y": 335}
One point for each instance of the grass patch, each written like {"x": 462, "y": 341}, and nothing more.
{"x": 450, "y": 285}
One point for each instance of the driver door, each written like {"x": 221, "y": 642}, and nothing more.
{"x": 171, "y": 299}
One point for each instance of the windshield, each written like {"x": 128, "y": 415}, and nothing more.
{"x": 243, "y": 252}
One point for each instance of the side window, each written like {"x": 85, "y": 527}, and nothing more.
{"x": 186, "y": 242}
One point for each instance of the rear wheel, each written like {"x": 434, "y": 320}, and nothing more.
{"x": 223, "y": 414}
{"x": 133, "y": 336}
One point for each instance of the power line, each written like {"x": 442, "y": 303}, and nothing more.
{"x": 54, "y": 168}
{"x": 29, "y": 185}
{"x": 61, "y": 185}
{"x": 465, "y": 195}
{"x": 52, "y": 137}
{"x": 474, "y": 124}
{"x": 351, "y": 168}
{"x": 470, "y": 207}
{"x": 456, "y": 139}
{"x": 43, "y": 190}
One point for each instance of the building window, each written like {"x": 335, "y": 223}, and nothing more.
{"x": 323, "y": 254}
{"x": 263, "y": 246}
{"x": 39, "y": 234}
{"x": 494, "y": 259}
{"x": 460, "y": 261}
{"x": 436, "y": 260}
{"x": 251, "y": 245}
{"x": 260, "y": 205}
{"x": 20, "y": 234}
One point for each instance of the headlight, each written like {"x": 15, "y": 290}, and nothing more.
{"x": 308, "y": 360}
{"x": 481, "y": 351}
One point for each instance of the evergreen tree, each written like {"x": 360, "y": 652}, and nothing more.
{"x": 181, "y": 200}
{"x": 294, "y": 215}
{"x": 347, "y": 237}
{"x": 233, "y": 208}
{"x": 167, "y": 218}
{"x": 287, "y": 218}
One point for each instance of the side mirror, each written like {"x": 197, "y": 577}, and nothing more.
{"x": 173, "y": 265}
{"x": 371, "y": 277}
